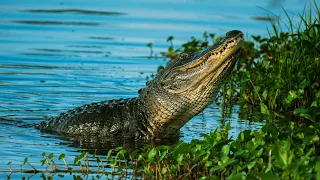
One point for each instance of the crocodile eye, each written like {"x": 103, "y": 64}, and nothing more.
{"x": 184, "y": 55}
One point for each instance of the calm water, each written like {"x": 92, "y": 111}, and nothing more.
{"x": 56, "y": 55}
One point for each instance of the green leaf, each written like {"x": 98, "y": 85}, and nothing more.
{"x": 118, "y": 148}
{"x": 109, "y": 155}
{"x": 237, "y": 176}
{"x": 170, "y": 38}
{"x": 151, "y": 154}
{"x": 311, "y": 140}
{"x": 303, "y": 84}
{"x": 265, "y": 94}
{"x": 264, "y": 109}
{"x": 268, "y": 176}
{"x": 314, "y": 104}
{"x": 98, "y": 159}
{"x": 164, "y": 170}
{"x": 113, "y": 163}
{"x": 163, "y": 155}
{"x": 281, "y": 156}
{"x": 208, "y": 163}
{"x": 292, "y": 95}
{"x": 51, "y": 155}
{"x": 25, "y": 160}
{"x": 228, "y": 126}
{"x": 250, "y": 165}
{"x": 225, "y": 150}
{"x": 61, "y": 156}
{"x": 303, "y": 113}
{"x": 180, "y": 158}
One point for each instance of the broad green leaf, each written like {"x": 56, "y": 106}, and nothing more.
{"x": 292, "y": 95}
{"x": 264, "y": 109}
{"x": 268, "y": 176}
{"x": 164, "y": 170}
{"x": 162, "y": 155}
{"x": 109, "y": 155}
{"x": 151, "y": 154}
{"x": 51, "y": 155}
{"x": 208, "y": 163}
{"x": 225, "y": 150}
{"x": 281, "y": 156}
{"x": 180, "y": 158}
{"x": 265, "y": 94}
{"x": 113, "y": 163}
{"x": 250, "y": 165}
{"x": 118, "y": 148}
{"x": 237, "y": 176}
{"x": 61, "y": 156}
{"x": 303, "y": 113}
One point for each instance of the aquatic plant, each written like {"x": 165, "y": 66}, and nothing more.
{"x": 270, "y": 153}
{"x": 280, "y": 73}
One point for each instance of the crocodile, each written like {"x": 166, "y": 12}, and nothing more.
{"x": 183, "y": 89}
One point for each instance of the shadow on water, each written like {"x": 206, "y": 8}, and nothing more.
{"x": 101, "y": 38}
{"x": 261, "y": 18}
{"x": 75, "y": 11}
{"x": 34, "y": 22}
{"x": 72, "y": 51}
{"x": 101, "y": 145}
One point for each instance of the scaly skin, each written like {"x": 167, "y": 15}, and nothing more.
{"x": 182, "y": 90}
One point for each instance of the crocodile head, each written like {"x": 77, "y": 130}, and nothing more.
{"x": 188, "y": 84}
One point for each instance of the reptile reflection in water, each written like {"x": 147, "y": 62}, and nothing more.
{"x": 186, "y": 86}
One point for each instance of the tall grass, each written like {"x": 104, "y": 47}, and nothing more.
{"x": 283, "y": 69}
